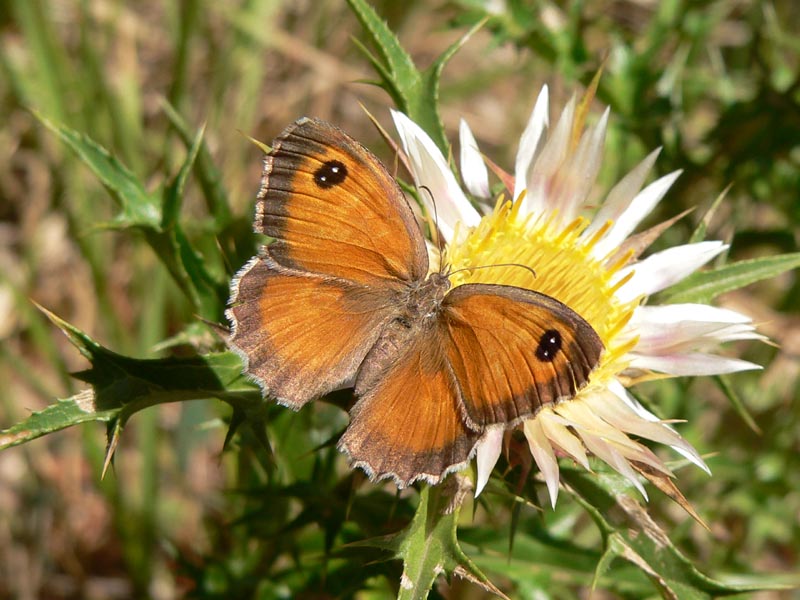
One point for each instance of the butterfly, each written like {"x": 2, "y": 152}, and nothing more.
{"x": 343, "y": 298}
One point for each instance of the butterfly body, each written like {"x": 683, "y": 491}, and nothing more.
{"x": 423, "y": 301}
{"x": 343, "y": 297}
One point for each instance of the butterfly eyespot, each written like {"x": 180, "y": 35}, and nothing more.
{"x": 330, "y": 174}
{"x": 549, "y": 345}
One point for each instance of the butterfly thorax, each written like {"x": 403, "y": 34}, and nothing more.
{"x": 418, "y": 312}
{"x": 424, "y": 298}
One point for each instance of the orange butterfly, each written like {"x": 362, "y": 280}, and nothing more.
{"x": 343, "y": 297}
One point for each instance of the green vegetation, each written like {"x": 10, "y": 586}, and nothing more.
{"x": 126, "y": 190}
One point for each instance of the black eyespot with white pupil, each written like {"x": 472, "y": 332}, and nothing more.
{"x": 330, "y": 174}
{"x": 549, "y": 345}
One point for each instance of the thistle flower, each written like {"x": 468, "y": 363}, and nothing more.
{"x": 587, "y": 259}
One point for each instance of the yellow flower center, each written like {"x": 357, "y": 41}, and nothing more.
{"x": 564, "y": 266}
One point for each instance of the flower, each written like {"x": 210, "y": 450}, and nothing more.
{"x": 588, "y": 259}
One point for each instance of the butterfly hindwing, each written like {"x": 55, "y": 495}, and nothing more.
{"x": 514, "y": 351}
{"x": 407, "y": 423}
{"x": 303, "y": 335}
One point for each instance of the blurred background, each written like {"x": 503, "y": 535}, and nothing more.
{"x": 717, "y": 84}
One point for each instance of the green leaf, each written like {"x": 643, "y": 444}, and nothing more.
{"x": 631, "y": 534}
{"x": 704, "y": 286}
{"x": 699, "y": 234}
{"x": 185, "y": 264}
{"x": 415, "y": 92}
{"x": 395, "y": 66}
{"x": 122, "y": 386}
{"x": 137, "y": 206}
{"x": 724, "y": 384}
{"x": 426, "y": 546}
{"x": 157, "y": 218}
{"x": 424, "y": 106}
{"x": 77, "y": 409}
{"x": 207, "y": 173}
{"x": 536, "y": 554}
{"x": 429, "y": 545}
{"x": 173, "y": 194}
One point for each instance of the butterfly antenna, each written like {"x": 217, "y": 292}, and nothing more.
{"x": 526, "y": 267}
{"x": 435, "y": 231}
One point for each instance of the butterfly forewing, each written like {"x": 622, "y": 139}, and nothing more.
{"x": 335, "y": 210}
{"x": 514, "y": 350}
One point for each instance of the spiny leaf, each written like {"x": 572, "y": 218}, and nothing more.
{"x": 429, "y": 545}
{"x": 113, "y": 434}
{"x": 415, "y": 92}
{"x": 603, "y": 565}
{"x": 184, "y": 263}
{"x": 156, "y": 217}
{"x": 187, "y": 266}
{"x": 137, "y": 206}
{"x": 424, "y": 106}
{"x": 631, "y": 534}
{"x": 396, "y": 67}
{"x": 80, "y": 408}
{"x": 704, "y": 286}
{"x": 122, "y": 386}
{"x": 211, "y": 374}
